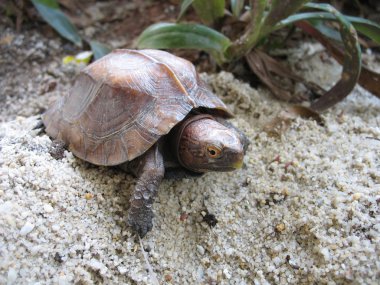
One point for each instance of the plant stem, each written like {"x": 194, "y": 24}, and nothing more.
{"x": 253, "y": 33}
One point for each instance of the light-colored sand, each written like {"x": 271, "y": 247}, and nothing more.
{"x": 304, "y": 210}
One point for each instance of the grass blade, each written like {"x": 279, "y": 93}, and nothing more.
{"x": 209, "y": 10}
{"x": 327, "y": 31}
{"x": 49, "y": 11}
{"x": 364, "y": 26}
{"x": 281, "y": 9}
{"x": 263, "y": 22}
{"x": 188, "y": 36}
{"x": 258, "y": 8}
{"x": 185, "y": 4}
{"x": 250, "y": 38}
{"x": 236, "y": 7}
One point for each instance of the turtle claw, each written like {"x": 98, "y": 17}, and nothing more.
{"x": 39, "y": 127}
{"x": 141, "y": 222}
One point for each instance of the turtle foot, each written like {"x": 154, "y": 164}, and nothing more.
{"x": 141, "y": 221}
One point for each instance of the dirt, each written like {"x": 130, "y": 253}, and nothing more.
{"x": 303, "y": 210}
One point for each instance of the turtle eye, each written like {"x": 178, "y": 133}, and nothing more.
{"x": 213, "y": 151}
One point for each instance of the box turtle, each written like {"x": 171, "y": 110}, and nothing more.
{"x": 149, "y": 112}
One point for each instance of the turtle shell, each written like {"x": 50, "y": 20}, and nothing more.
{"x": 123, "y": 103}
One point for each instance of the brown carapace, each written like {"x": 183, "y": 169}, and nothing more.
{"x": 143, "y": 109}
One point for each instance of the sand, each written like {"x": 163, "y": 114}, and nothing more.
{"x": 303, "y": 210}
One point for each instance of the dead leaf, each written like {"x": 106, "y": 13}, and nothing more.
{"x": 284, "y": 119}
{"x": 280, "y": 79}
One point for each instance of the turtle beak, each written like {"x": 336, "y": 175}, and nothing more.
{"x": 235, "y": 154}
{"x": 238, "y": 164}
{"x": 238, "y": 160}
{"x": 234, "y": 161}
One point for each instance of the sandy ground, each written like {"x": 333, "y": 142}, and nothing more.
{"x": 303, "y": 210}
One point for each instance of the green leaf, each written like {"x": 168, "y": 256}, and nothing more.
{"x": 329, "y": 32}
{"x": 304, "y": 16}
{"x": 49, "y": 3}
{"x": 99, "y": 49}
{"x": 265, "y": 15}
{"x": 364, "y": 26}
{"x": 209, "y": 10}
{"x": 250, "y": 38}
{"x": 258, "y": 9}
{"x": 50, "y": 12}
{"x": 279, "y": 10}
{"x": 188, "y": 36}
{"x": 185, "y": 4}
{"x": 236, "y": 7}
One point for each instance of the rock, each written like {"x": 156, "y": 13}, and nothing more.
{"x": 200, "y": 249}
{"x": 226, "y": 273}
{"x": 26, "y": 229}
{"x": 48, "y": 208}
{"x": 97, "y": 265}
{"x": 12, "y": 276}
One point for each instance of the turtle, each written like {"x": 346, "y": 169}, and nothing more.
{"x": 148, "y": 112}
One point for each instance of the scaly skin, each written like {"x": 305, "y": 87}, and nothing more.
{"x": 149, "y": 169}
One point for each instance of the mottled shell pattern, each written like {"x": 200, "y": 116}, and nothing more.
{"x": 123, "y": 103}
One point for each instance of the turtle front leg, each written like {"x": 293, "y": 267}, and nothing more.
{"x": 149, "y": 169}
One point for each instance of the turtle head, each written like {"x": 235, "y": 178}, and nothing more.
{"x": 207, "y": 145}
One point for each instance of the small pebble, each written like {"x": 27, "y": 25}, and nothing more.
{"x": 326, "y": 253}
{"x": 226, "y": 273}
{"x": 12, "y": 276}
{"x": 183, "y": 217}
{"x": 168, "y": 277}
{"x": 356, "y": 196}
{"x": 243, "y": 265}
{"x": 62, "y": 279}
{"x": 122, "y": 269}
{"x": 55, "y": 227}
{"x": 88, "y": 196}
{"x": 58, "y": 257}
{"x": 48, "y": 208}
{"x": 200, "y": 273}
{"x": 97, "y": 265}
{"x": 200, "y": 249}
{"x": 27, "y": 228}
{"x": 280, "y": 227}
